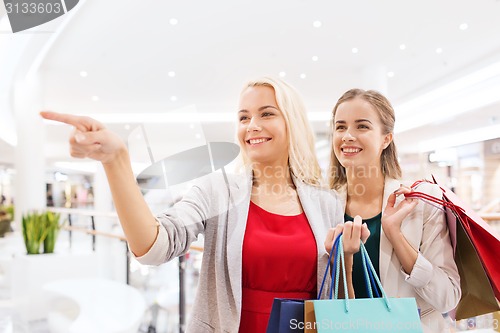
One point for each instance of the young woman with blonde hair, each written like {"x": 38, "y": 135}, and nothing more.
{"x": 264, "y": 231}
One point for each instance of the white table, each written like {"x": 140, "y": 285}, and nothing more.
{"x": 93, "y": 305}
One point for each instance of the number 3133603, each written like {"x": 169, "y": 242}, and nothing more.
{"x": 33, "y": 8}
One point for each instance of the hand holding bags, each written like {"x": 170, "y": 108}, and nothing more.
{"x": 476, "y": 253}
{"x": 365, "y": 314}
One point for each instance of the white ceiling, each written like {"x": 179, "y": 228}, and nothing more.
{"x": 128, "y": 47}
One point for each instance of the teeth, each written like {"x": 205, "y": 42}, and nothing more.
{"x": 351, "y": 150}
{"x": 256, "y": 141}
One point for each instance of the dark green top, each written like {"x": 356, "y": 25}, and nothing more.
{"x": 372, "y": 246}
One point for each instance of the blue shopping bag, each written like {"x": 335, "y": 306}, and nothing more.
{"x": 286, "y": 316}
{"x": 382, "y": 314}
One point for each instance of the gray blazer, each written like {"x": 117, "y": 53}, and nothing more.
{"x": 220, "y": 212}
{"x": 434, "y": 281}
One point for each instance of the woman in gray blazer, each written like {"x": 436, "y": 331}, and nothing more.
{"x": 282, "y": 179}
{"x": 409, "y": 242}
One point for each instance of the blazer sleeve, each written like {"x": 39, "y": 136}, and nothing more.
{"x": 435, "y": 275}
{"x": 180, "y": 225}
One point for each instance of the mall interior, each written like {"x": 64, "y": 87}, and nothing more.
{"x": 166, "y": 77}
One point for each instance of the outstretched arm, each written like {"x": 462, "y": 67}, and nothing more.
{"x": 91, "y": 139}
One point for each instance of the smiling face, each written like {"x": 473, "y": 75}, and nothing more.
{"x": 358, "y": 139}
{"x": 262, "y": 130}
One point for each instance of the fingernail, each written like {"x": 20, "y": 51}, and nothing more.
{"x": 79, "y": 137}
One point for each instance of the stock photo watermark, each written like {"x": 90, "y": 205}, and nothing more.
{"x": 328, "y": 324}
{"x": 26, "y": 14}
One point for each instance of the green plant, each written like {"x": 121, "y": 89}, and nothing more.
{"x": 52, "y": 225}
{"x": 38, "y": 229}
{"x": 33, "y": 232}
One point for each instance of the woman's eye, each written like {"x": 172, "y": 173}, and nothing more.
{"x": 267, "y": 114}
{"x": 363, "y": 126}
{"x": 243, "y": 118}
{"x": 339, "y": 128}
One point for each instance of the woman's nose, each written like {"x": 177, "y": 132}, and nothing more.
{"x": 253, "y": 125}
{"x": 348, "y": 137}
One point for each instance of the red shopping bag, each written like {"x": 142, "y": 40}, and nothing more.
{"x": 477, "y": 253}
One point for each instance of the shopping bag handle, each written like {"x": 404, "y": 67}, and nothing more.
{"x": 335, "y": 245}
{"x": 371, "y": 282}
{"x": 367, "y": 272}
{"x": 340, "y": 261}
{"x": 433, "y": 200}
{"x": 373, "y": 273}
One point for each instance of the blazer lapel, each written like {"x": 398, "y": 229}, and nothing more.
{"x": 308, "y": 199}
{"x": 386, "y": 248}
{"x": 237, "y": 215}
{"x": 311, "y": 210}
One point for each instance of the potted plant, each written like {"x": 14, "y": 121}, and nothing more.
{"x": 52, "y": 226}
{"x": 38, "y": 229}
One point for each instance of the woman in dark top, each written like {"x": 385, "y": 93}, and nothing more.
{"x": 410, "y": 246}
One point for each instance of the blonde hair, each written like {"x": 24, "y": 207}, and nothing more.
{"x": 302, "y": 159}
{"x": 388, "y": 160}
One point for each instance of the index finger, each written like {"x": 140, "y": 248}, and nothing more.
{"x": 391, "y": 200}
{"x": 81, "y": 123}
{"x": 356, "y": 227}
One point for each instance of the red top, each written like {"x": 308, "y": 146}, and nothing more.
{"x": 279, "y": 260}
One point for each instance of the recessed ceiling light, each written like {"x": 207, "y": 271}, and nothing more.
{"x": 173, "y": 98}
{"x": 173, "y": 21}
{"x": 171, "y": 73}
{"x": 315, "y": 58}
{"x": 198, "y": 135}
{"x": 439, "y": 50}
{"x": 390, "y": 74}
{"x": 317, "y": 24}
{"x": 302, "y": 76}
{"x": 327, "y": 124}
{"x": 282, "y": 74}
{"x": 191, "y": 126}
{"x": 402, "y": 46}
{"x": 84, "y": 74}
{"x": 95, "y": 98}
{"x": 354, "y": 50}
{"x": 127, "y": 127}
{"x": 463, "y": 26}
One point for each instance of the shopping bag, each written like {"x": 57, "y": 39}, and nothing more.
{"x": 296, "y": 315}
{"x": 287, "y": 316}
{"x": 365, "y": 314}
{"x": 309, "y": 317}
{"x": 477, "y": 294}
{"x": 476, "y": 248}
